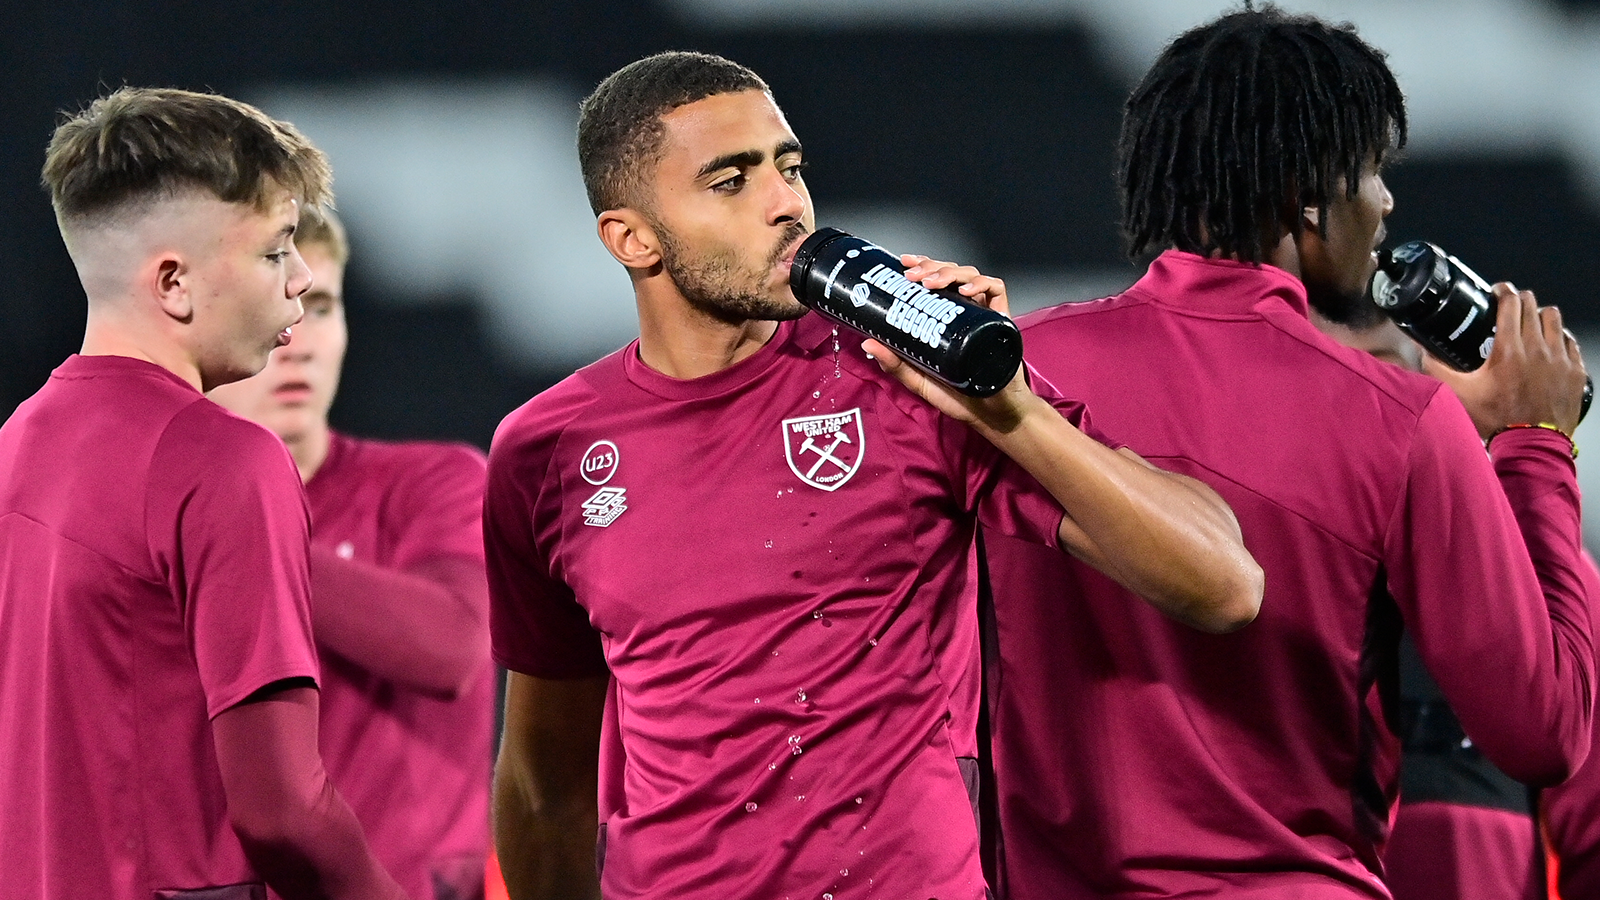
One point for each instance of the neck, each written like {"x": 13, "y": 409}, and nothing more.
{"x": 108, "y": 334}
{"x": 680, "y": 341}
{"x": 310, "y": 450}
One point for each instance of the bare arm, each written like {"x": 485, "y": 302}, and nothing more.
{"x": 427, "y": 627}
{"x": 1166, "y": 537}
{"x": 296, "y": 829}
{"x": 546, "y": 810}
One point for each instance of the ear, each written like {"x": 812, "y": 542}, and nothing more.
{"x": 629, "y": 238}
{"x": 169, "y": 278}
{"x": 1311, "y": 219}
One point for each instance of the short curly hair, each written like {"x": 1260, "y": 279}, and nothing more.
{"x": 619, "y": 125}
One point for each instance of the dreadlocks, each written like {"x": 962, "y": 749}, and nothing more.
{"x": 1244, "y": 122}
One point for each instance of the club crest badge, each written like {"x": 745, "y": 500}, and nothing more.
{"x": 825, "y": 451}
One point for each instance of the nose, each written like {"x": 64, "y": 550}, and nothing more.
{"x": 299, "y": 276}
{"x": 1388, "y": 198}
{"x": 788, "y": 201}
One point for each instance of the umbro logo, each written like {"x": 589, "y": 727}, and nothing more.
{"x": 605, "y": 506}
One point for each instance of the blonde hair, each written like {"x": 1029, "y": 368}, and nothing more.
{"x": 320, "y": 227}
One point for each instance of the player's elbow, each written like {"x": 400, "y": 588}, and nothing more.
{"x": 1232, "y": 602}
{"x": 1541, "y": 764}
{"x": 274, "y": 818}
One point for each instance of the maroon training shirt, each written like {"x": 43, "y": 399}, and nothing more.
{"x": 413, "y": 765}
{"x": 1137, "y": 757}
{"x": 152, "y": 575}
{"x": 775, "y": 562}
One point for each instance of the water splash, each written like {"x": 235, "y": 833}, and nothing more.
{"x": 836, "y": 372}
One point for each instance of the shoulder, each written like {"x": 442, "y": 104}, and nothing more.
{"x": 204, "y": 435}
{"x": 550, "y": 411}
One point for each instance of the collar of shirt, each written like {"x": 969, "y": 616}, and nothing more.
{"x": 1223, "y": 287}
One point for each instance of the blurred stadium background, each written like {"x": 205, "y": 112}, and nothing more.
{"x": 975, "y": 131}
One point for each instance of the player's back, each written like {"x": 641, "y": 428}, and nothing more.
{"x": 110, "y": 786}
{"x": 1139, "y": 757}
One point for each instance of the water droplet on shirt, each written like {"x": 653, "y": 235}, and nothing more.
{"x": 758, "y": 699}
{"x": 827, "y": 897}
{"x": 1466, "y": 743}
{"x": 791, "y": 490}
{"x": 836, "y": 372}
{"x": 772, "y": 768}
{"x": 815, "y": 394}
{"x": 844, "y": 871}
{"x": 816, "y": 614}
{"x": 794, "y": 745}
{"x": 827, "y": 623}
{"x": 801, "y": 696}
{"x": 799, "y": 797}
{"x": 750, "y": 807}
{"x": 871, "y": 642}
{"x": 345, "y": 550}
{"x": 774, "y": 653}
{"x": 780, "y": 492}
{"x": 858, "y": 799}
{"x": 769, "y": 545}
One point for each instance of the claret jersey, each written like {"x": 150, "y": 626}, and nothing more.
{"x": 775, "y": 563}
{"x": 152, "y": 576}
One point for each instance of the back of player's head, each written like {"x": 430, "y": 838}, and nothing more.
{"x": 1243, "y": 122}
{"x": 619, "y": 125}
{"x": 320, "y": 227}
{"x": 139, "y": 145}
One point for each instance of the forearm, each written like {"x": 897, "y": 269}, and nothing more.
{"x": 1540, "y": 484}
{"x": 545, "y": 854}
{"x": 294, "y": 827}
{"x": 427, "y": 628}
{"x": 1167, "y": 538}
{"x": 546, "y": 809}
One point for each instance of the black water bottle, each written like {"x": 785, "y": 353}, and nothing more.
{"x": 857, "y": 283}
{"x": 1443, "y": 305}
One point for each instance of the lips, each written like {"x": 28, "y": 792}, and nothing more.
{"x": 292, "y": 391}
{"x": 786, "y": 258}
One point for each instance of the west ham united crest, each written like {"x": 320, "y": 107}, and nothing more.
{"x": 825, "y": 450}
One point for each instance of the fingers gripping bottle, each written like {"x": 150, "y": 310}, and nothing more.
{"x": 973, "y": 349}
{"x": 1443, "y": 305}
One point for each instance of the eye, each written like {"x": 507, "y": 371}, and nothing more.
{"x": 793, "y": 170}
{"x": 277, "y": 256}
{"x": 731, "y": 185}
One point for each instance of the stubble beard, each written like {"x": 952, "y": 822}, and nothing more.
{"x": 715, "y": 284}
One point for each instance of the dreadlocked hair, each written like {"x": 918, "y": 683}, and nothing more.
{"x": 1245, "y": 121}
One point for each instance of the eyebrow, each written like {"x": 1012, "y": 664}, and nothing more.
{"x": 745, "y": 159}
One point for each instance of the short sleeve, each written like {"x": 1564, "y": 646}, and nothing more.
{"x": 538, "y": 627}
{"x": 229, "y": 532}
{"x": 1005, "y": 497}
